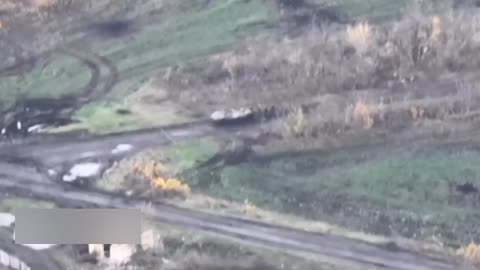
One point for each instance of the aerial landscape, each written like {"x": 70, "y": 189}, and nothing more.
{"x": 252, "y": 134}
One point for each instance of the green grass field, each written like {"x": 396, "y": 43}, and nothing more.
{"x": 414, "y": 187}
{"x": 60, "y": 75}
{"x": 175, "y": 36}
{"x": 9, "y": 204}
{"x": 190, "y": 34}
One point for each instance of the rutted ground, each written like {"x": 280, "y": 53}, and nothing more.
{"x": 137, "y": 45}
{"x": 425, "y": 192}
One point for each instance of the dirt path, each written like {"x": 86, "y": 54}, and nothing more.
{"x": 333, "y": 249}
{"x": 23, "y": 167}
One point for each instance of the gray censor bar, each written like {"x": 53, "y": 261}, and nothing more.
{"x": 77, "y": 226}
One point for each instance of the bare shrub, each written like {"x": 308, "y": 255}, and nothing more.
{"x": 359, "y": 36}
{"x": 471, "y": 253}
{"x": 273, "y": 70}
{"x": 56, "y": 5}
{"x": 362, "y": 113}
{"x": 39, "y": 6}
{"x": 156, "y": 174}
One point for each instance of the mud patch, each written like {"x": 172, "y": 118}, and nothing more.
{"x": 32, "y": 115}
{"x": 113, "y": 29}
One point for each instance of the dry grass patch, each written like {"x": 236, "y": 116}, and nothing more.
{"x": 39, "y": 6}
{"x": 471, "y": 253}
{"x": 334, "y": 59}
{"x": 157, "y": 174}
{"x": 360, "y": 36}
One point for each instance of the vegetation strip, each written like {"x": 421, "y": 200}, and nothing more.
{"x": 329, "y": 246}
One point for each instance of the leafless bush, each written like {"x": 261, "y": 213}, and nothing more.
{"x": 332, "y": 60}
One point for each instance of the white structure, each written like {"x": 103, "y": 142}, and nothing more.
{"x": 121, "y": 253}
{"x": 152, "y": 240}
{"x": 6, "y": 219}
{"x": 12, "y": 262}
{"x": 96, "y": 248}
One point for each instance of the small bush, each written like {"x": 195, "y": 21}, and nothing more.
{"x": 359, "y": 36}
{"x": 155, "y": 173}
{"x": 333, "y": 59}
{"x": 363, "y": 114}
{"x": 249, "y": 208}
{"x": 471, "y": 253}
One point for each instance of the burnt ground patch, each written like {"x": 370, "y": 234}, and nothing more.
{"x": 112, "y": 29}
{"x": 27, "y": 113}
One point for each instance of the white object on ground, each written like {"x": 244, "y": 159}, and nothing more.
{"x": 24, "y": 266}
{"x": 4, "y": 258}
{"x": 69, "y": 178}
{"x": 122, "y": 148}
{"x": 96, "y": 248}
{"x": 85, "y": 169}
{"x": 6, "y": 219}
{"x": 4, "y": 130}
{"x": 218, "y": 115}
{"x": 120, "y": 253}
{"x": 14, "y": 262}
{"x": 88, "y": 154}
{"x": 35, "y": 128}
{"x": 231, "y": 114}
{"x": 241, "y": 113}
{"x": 51, "y": 172}
{"x": 39, "y": 246}
{"x": 152, "y": 240}
{"x": 82, "y": 170}
{"x": 19, "y": 125}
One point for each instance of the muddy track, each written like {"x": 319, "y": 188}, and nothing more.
{"x": 103, "y": 77}
{"x": 92, "y": 90}
{"x": 20, "y": 165}
{"x": 333, "y": 249}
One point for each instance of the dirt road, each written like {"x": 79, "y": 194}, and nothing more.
{"x": 332, "y": 249}
{"x": 23, "y": 169}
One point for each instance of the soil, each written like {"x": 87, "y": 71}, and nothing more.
{"x": 27, "y": 161}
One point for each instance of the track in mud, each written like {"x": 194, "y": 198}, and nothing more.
{"x": 42, "y": 112}
{"x": 27, "y": 159}
{"x": 18, "y": 178}
{"x": 333, "y": 249}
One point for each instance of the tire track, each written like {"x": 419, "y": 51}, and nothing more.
{"x": 95, "y": 63}
{"x": 333, "y": 249}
